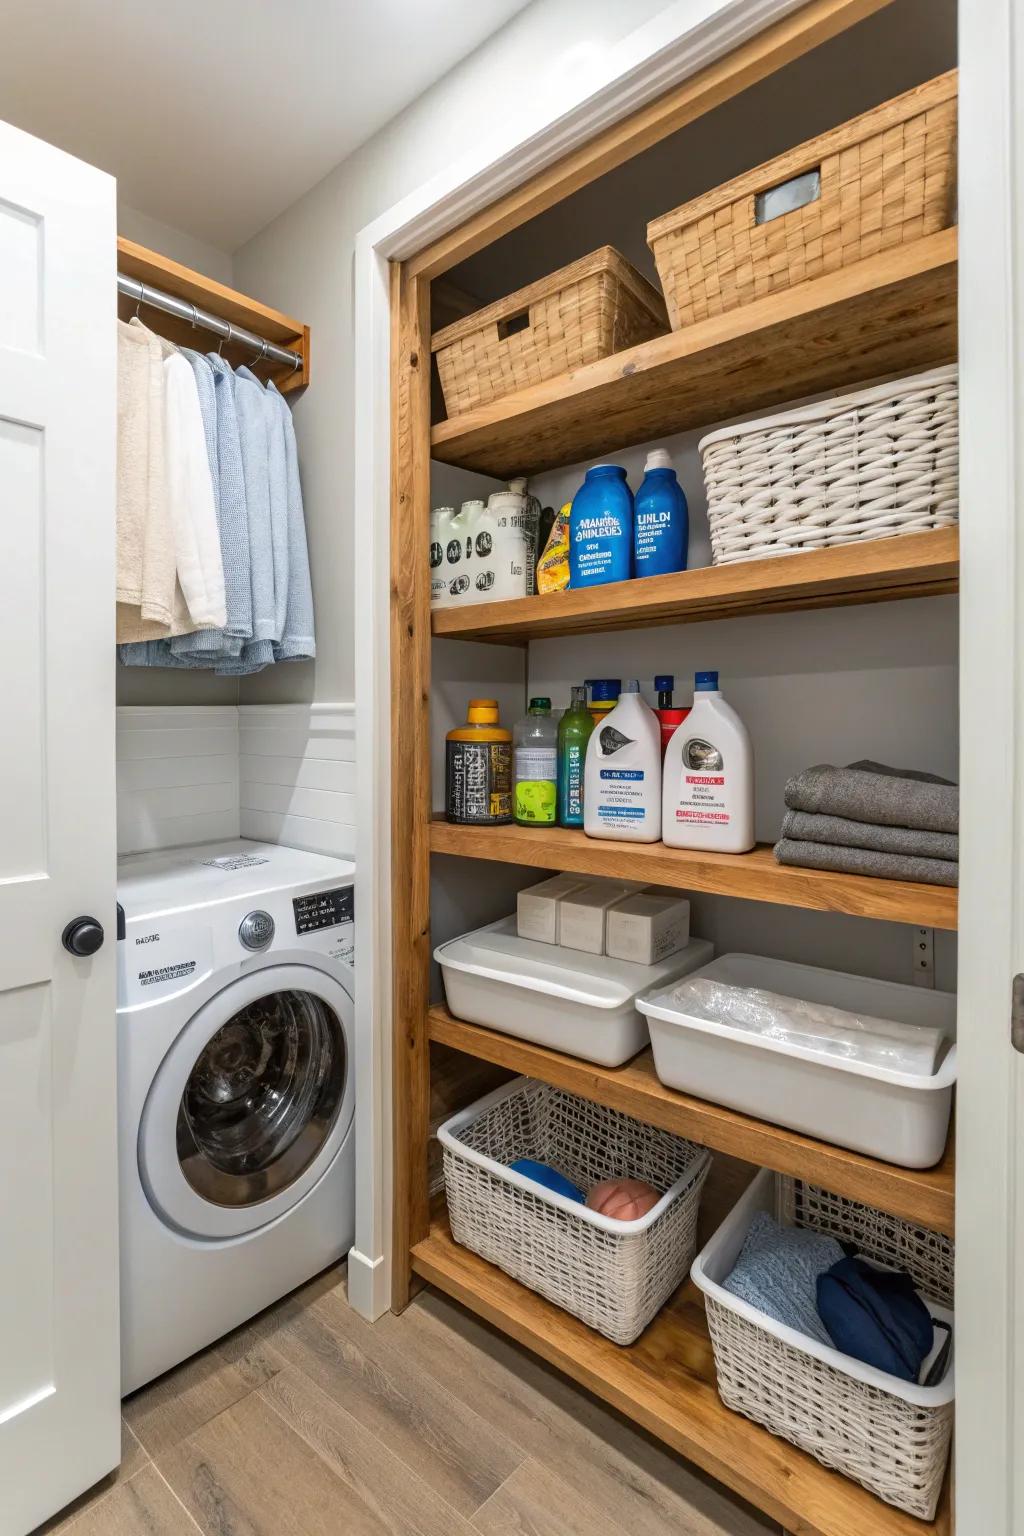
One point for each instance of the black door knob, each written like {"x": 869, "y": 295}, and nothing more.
{"x": 82, "y": 936}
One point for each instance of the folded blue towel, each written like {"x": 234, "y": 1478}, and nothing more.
{"x": 777, "y": 1272}
{"x": 876, "y": 1316}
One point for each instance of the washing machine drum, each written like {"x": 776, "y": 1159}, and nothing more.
{"x": 251, "y": 1104}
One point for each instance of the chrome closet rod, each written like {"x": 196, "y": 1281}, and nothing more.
{"x": 268, "y": 351}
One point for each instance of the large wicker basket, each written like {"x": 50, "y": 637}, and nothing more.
{"x": 613, "y": 1275}
{"x": 890, "y": 1435}
{"x": 884, "y": 178}
{"x": 596, "y": 306}
{"x": 867, "y": 465}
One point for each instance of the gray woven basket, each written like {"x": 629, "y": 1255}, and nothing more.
{"x": 612, "y": 1275}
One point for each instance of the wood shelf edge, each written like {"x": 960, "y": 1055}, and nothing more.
{"x": 665, "y": 1383}
{"x": 206, "y": 293}
{"x": 753, "y": 876}
{"x": 916, "y": 270}
{"x": 875, "y": 570}
{"x": 924, "y": 1196}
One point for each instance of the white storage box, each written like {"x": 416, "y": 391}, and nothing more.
{"x": 582, "y": 1004}
{"x": 890, "y": 1435}
{"x": 613, "y": 1275}
{"x": 897, "y": 1116}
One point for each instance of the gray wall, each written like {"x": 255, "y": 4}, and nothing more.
{"x": 303, "y": 262}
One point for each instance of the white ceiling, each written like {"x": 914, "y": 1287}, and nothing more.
{"x": 214, "y": 115}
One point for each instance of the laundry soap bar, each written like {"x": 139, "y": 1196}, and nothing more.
{"x": 582, "y": 915}
{"x": 647, "y": 927}
{"x": 537, "y": 908}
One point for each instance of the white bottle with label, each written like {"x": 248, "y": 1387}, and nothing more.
{"x": 622, "y": 788}
{"x": 708, "y": 796}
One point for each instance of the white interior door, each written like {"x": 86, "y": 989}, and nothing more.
{"x": 59, "y": 1412}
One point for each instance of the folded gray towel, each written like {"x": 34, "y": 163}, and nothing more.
{"x": 867, "y": 861}
{"x": 872, "y": 792}
{"x": 777, "y": 1272}
{"x": 806, "y": 827}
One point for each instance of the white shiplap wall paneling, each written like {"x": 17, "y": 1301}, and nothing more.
{"x": 297, "y": 776}
{"x": 177, "y": 776}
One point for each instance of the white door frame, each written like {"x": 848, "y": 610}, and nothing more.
{"x": 675, "y": 44}
{"x": 990, "y": 1109}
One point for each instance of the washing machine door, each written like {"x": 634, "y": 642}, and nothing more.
{"x": 251, "y": 1103}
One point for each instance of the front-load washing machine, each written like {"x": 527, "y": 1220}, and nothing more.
{"x": 235, "y": 1094}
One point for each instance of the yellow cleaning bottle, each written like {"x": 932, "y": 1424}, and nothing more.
{"x": 478, "y": 768}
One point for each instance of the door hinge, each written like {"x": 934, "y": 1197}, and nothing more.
{"x": 1017, "y": 1014}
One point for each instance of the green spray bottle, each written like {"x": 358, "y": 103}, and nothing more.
{"x": 574, "y": 730}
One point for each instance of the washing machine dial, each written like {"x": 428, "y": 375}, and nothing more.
{"x": 256, "y": 930}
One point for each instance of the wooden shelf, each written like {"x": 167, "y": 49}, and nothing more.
{"x": 160, "y": 272}
{"x": 925, "y": 1197}
{"x": 754, "y": 876}
{"x": 666, "y": 1382}
{"x": 891, "y": 313}
{"x": 876, "y": 571}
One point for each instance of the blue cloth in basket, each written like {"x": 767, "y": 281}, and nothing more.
{"x": 550, "y": 1178}
{"x": 876, "y": 1316}
{"x": 777, "y": 1272}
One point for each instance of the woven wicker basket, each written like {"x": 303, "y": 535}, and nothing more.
{"x": 596, "y": 306}
{"x": 887, "y": 1434}
{"x": 613, "y": 1275}
{"x": 868, "y": 465}
{"x": 878, "y": 181}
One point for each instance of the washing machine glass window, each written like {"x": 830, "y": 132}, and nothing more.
{"x": 262, "y": 1098}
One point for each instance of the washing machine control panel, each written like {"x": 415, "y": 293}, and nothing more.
{"x": 324, "y": 909}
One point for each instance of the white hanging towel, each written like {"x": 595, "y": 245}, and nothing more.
{"x": 190, "y": 499}
{"x": 145, "y": 548}
{"x": 190, "y": 511}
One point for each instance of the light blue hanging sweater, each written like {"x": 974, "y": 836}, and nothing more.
{"x": 266, "y": 549}
{"x": 297, "y": 641}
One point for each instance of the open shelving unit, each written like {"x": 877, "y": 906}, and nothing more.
{"x": 754, "y": 876}
{"x": 888, "y": 313}
{"x": 892, "y": 311}
{"x": 666, "y": 1383}
{"x": 879, "y": 571}
{"x": 924, "y": 1196}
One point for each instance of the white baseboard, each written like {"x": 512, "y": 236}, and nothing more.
{"x": 368, "y": 1285}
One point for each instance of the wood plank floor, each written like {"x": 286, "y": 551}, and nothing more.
{"x": 310, "y": 1422}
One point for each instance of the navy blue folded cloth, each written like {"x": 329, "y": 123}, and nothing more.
{"x": 876, "y": 1316}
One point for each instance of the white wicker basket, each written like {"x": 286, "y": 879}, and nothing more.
{"x": 862, "y": 466}
{"x": 613, "y": 1275}
{"x": 888, "y": 1434}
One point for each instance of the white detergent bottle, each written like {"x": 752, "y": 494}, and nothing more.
{"x": 708, "y": 795}
{"x": 622, "y": 788}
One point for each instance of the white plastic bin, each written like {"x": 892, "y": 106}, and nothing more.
{"x": 562, "y": 998}
{"x": 897, "y": 1116}
{"x": 888, "y": 1434}
{"x": 613, "y": 1275}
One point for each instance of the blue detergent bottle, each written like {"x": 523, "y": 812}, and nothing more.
{"x": 601, "y": 528}
{"x": 662, "y": 520}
